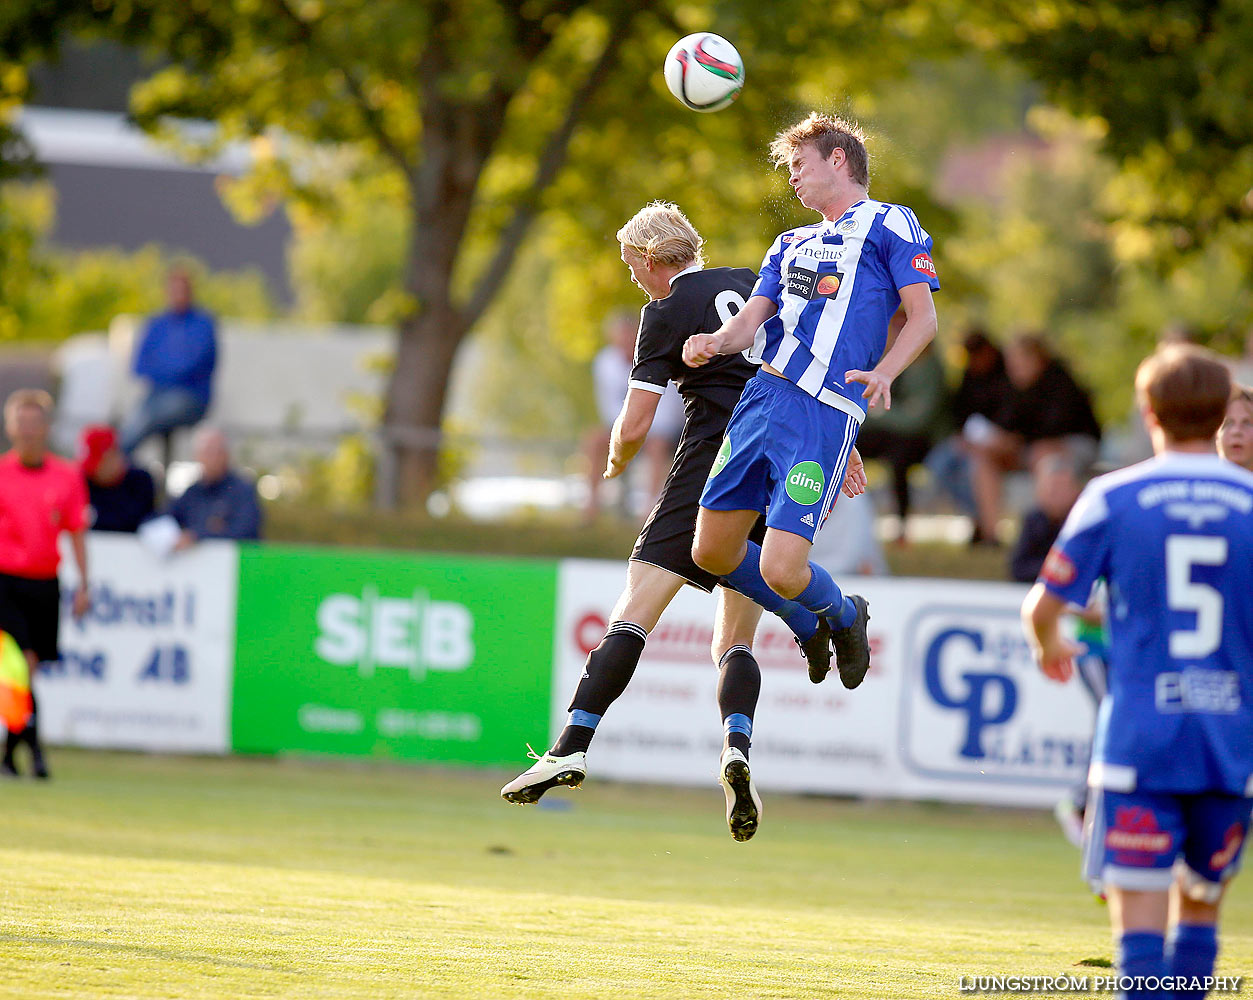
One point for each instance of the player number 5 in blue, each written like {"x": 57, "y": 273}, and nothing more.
{"x": 1183, "y": 552}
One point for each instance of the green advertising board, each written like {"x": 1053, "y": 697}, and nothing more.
{"x": 392, "y": 655}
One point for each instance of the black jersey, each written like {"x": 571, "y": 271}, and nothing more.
{"x": 699, "y": 302}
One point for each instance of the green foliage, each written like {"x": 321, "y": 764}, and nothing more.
{"x": 49, "y": 294}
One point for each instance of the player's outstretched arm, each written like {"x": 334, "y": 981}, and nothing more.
{"x": 919, "y": 329}
{"x": 733, "y": 336}
{"x": 1041, "y": 618}
{"x": 630, "y": 429}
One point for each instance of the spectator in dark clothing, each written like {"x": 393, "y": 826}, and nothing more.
{"x": 903, "y": 435}
{"x": 222, "y": 503}
{"x": 981, "y": 397}
{"x": 122, "y": 496}
{"x": 1048, "y": 413}
{"x": 176, "y": 355}
{"x": 1058, "y": 483}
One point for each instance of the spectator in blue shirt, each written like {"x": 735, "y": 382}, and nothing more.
{"x": 122, "y": 496}
{"x": 176, "y": 355}
{"x": 221, "y": 503}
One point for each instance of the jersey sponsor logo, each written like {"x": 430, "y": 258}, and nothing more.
{"x": 809, "y": 284}
{"x": 1232, "y": 840}
{"x": 925, "y": 264}
{"x": 847, "y": 226}
{"x": 791, "y": 238}
{"x": 805, "y": 483}
{"x": 808, "y": 519}
{"x": 1058, "y": 569}
{"x": 1135, "y": 829}
{"x": 723, "y": 456}
{"x": 828, "y": 285}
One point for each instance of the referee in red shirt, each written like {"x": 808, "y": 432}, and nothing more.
{"x": 41, "y": 495}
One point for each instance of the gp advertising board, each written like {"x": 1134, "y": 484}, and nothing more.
{"x": 953, "y": 707}
{"x": 392, "y": 654}
{"x": 149, "y": 666}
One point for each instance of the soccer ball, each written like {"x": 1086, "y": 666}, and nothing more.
{"x": 704, "y": 71}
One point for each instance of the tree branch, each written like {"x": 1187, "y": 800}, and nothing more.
{"x": 551, "y": 160}
{"x": 370, "y": 116}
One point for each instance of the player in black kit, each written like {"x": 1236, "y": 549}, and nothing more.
{"x": 663, "y": 252}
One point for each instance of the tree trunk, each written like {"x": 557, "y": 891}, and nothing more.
{"x": 425, "y": 350}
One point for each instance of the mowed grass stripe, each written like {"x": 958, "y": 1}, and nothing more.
{"x": 135, "y": 876}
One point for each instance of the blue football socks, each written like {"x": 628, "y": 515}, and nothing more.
{"x": 1142, "y": 954}
{"x": 746, "y": 578}
{"x": 824, "y": 597}
{"x": 1193, "y": 952}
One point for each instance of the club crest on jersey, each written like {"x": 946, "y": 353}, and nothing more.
{"x": 925, "y": 264}
{"x": 847, "y": 226}
{"x": 805, "y": 483}
{"x": 1058, "y": 569}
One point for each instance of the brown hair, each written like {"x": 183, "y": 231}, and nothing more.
{"x": 1187, "y": 388}
{"x": 826, "y": 133}
{"x": 20, "y": 399}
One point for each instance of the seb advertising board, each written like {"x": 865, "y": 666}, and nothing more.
{"x": 149, "y": 667}
{"x": 953, "y": 707}
{"x": 393, "y": 655}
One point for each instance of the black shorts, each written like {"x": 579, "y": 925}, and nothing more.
{"x": 30, "y": 611}
{"x": 666, "y": 538}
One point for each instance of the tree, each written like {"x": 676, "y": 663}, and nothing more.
{"x": 476, "y": 106}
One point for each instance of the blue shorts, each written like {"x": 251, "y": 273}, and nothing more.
{"x": 784, "y": 455}
{"x": 1133, "y": 840}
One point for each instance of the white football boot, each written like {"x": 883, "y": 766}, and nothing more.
{"x": 743, "y": 802}
{"x": 547, "y": 772}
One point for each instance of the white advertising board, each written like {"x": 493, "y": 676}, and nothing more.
{"x": 953, "y": 707}
{"x": 149, "y": 667}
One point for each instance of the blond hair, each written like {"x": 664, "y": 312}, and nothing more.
{"x": 1241, "y": 394}
{"x": 826, "y": 133}
{"x": 661, "y": 234}
{"x": 20, "y": 399}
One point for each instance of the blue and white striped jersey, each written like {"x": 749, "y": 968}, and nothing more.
{"x": 1174, "y": 538}
{"x": 836, "y": 285}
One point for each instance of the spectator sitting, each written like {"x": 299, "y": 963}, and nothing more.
{"x": 122, "y": 495}
{"x": 903, "y": 435}
{"x": 1058, "y": 483}
{"x": 221, "y": 503}
{"x": 176, "y": 354}
{"x": 982, "y": 395}
{"x": 1048, "y": 413}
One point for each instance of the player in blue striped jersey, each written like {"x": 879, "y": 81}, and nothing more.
{"x": 1172, "y": 761}
{"x": 819, "y": 317}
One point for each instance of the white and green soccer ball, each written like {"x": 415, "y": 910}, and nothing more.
{"x": 704, "y": 71}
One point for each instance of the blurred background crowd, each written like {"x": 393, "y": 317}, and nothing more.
{"x": 357, "y": 268}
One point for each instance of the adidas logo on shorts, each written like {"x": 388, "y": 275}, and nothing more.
{"x": 808, "y": 519}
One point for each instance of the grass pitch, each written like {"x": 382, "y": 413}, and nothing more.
{"x": 133, "y": 876}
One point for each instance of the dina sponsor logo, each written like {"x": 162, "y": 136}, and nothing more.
{"x": 415, "y": 634}
{"x": 805, "y": 483}
{"x": 723, "y": 456}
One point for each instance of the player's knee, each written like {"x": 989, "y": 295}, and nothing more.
{"x": 710, "y": 558}
{"x": 786, "y": 581}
